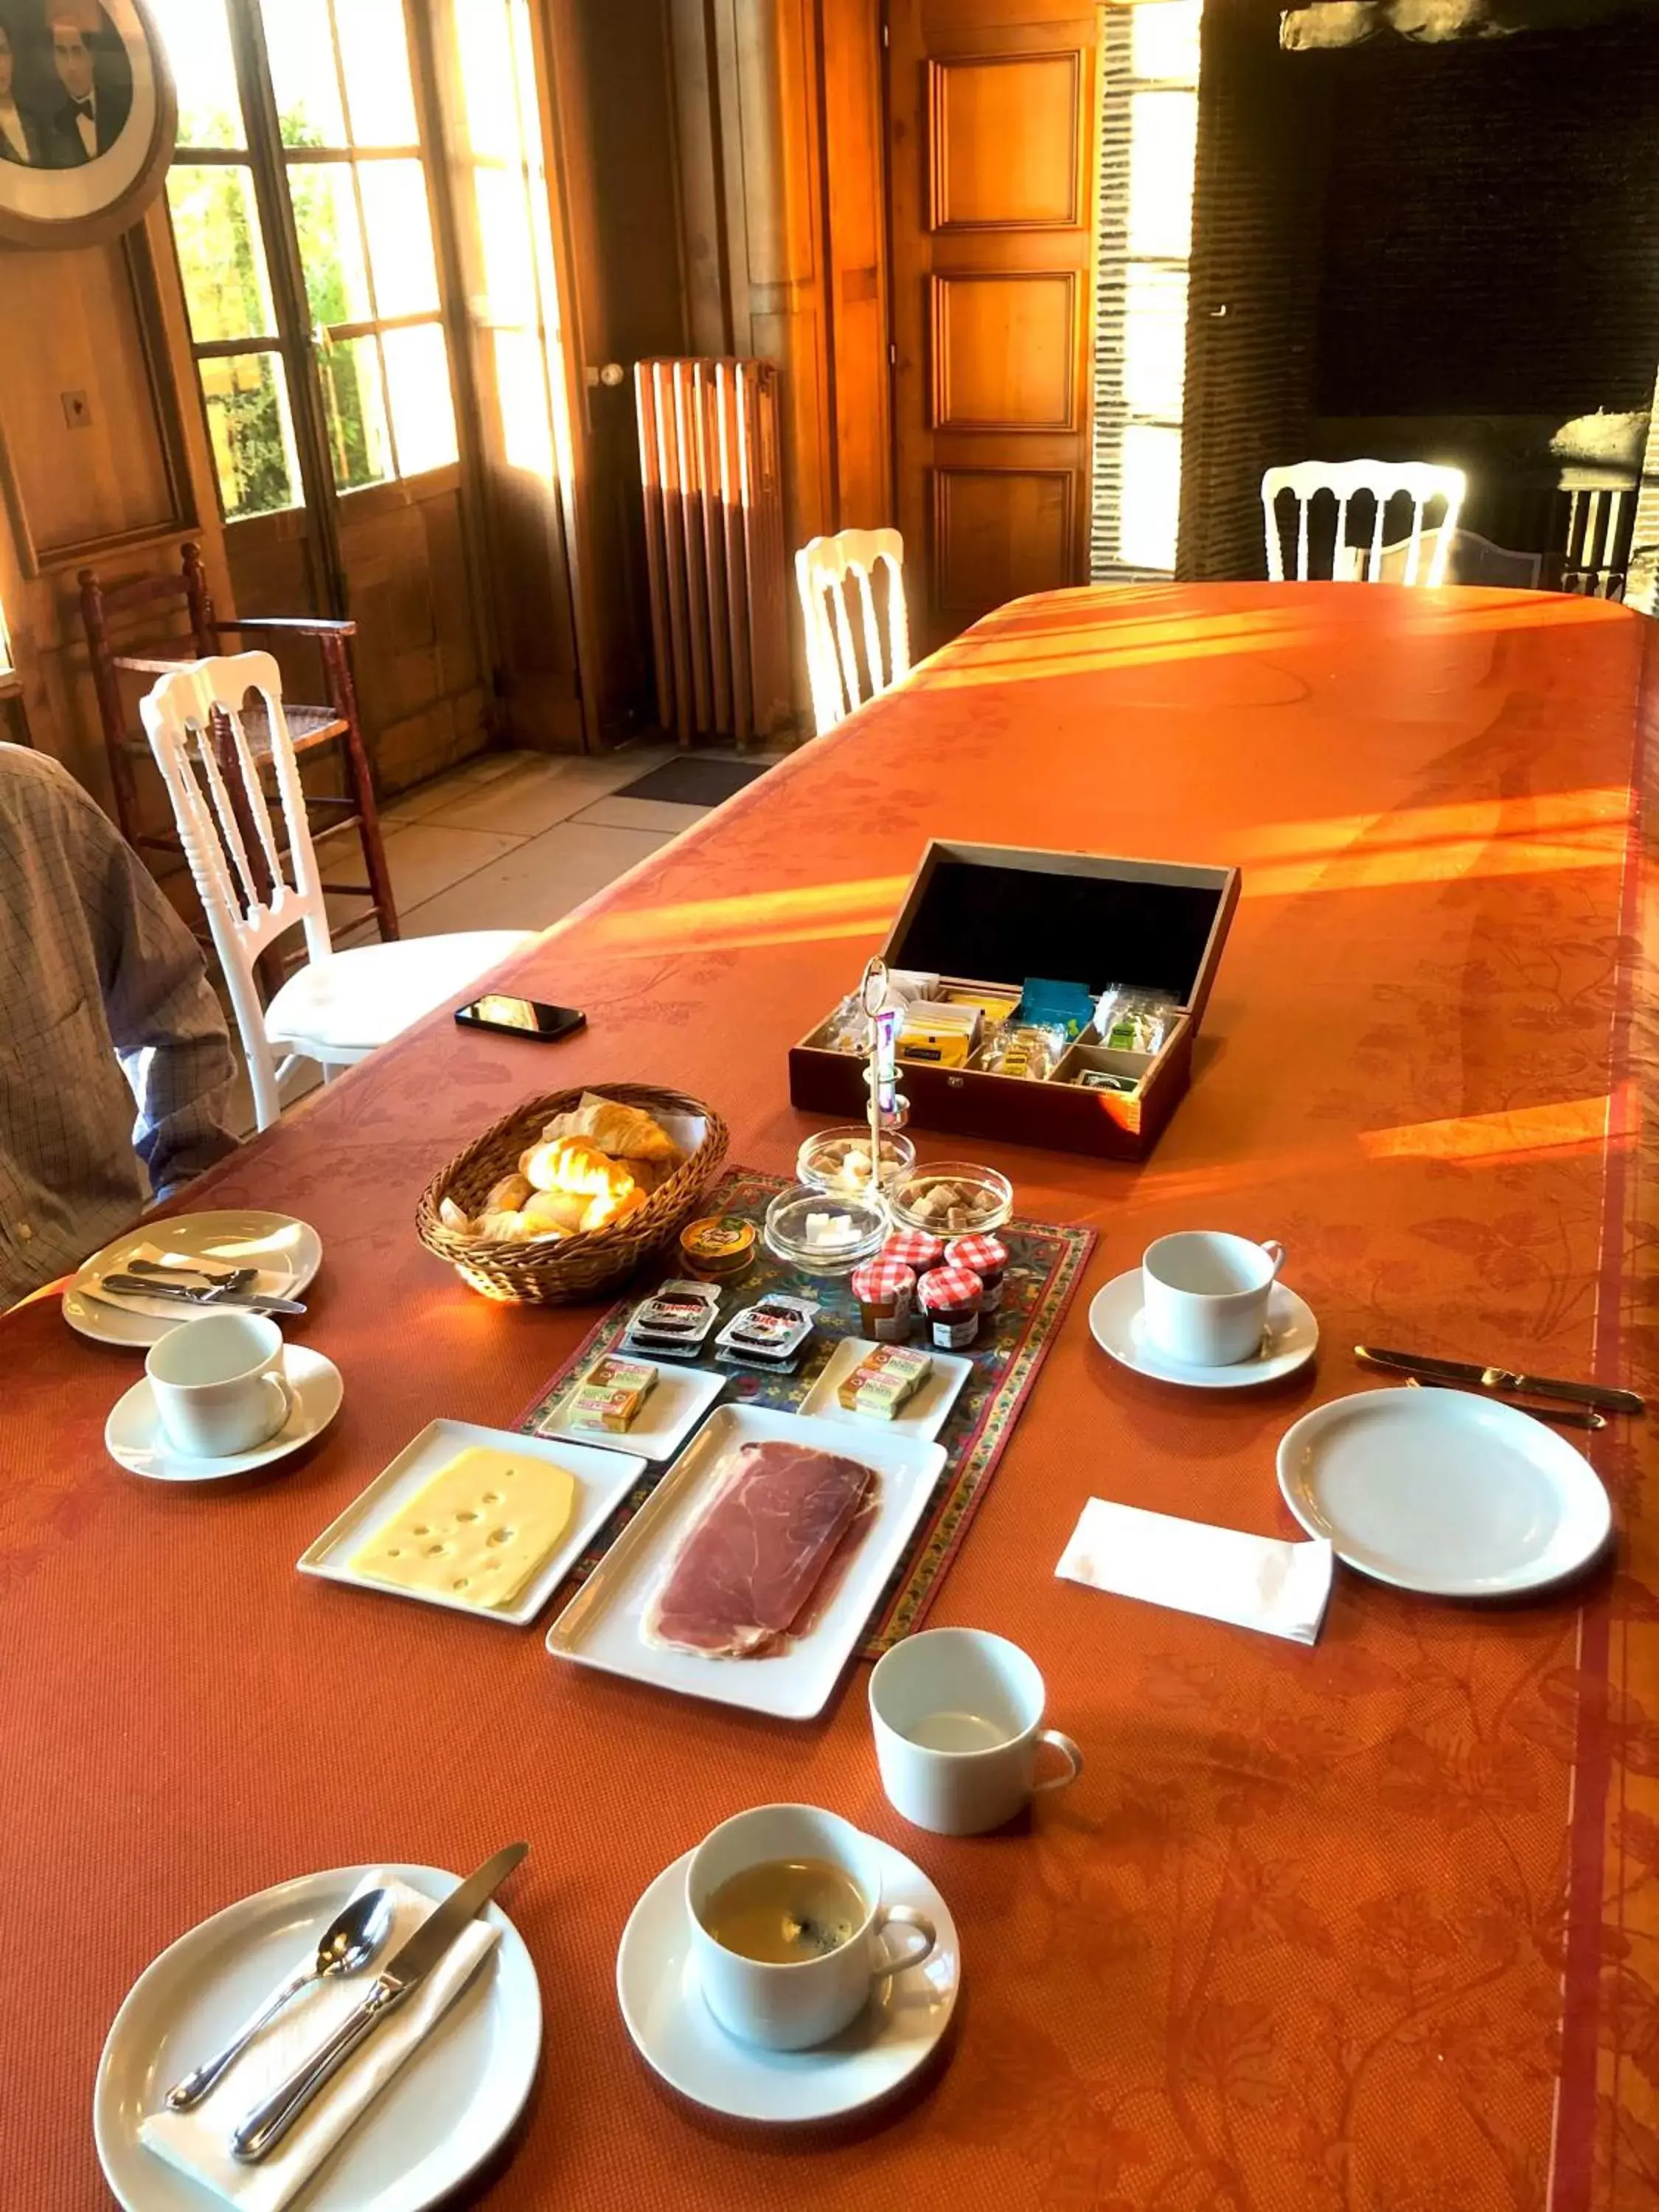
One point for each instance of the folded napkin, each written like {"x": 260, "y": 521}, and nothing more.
{"x": 1251, "y": 1581}
{"x": 90, "y": 1282}
{"x": 198, "y": 2142}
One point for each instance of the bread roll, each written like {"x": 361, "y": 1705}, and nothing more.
{"x": 504, "y": 1227}
{"x": 509, "y": 1195}
{"x": 604, "y": 1210}
{"x": 457, "y": 1223}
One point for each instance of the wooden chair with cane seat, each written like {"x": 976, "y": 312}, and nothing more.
{"x": 313, "y": 731}
{"x": 824, "y": 569}
{"x": 255, "y": 886}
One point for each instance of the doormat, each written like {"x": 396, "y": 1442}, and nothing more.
{"x": 695, "y": 782}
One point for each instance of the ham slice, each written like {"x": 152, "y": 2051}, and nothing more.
{"x": 752, "y": 1559}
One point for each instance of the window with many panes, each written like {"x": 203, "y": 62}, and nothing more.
{"x": 319, "y": 94}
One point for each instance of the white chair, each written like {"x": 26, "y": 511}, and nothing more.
{"x": 1469, "y": 559}
{"x": 341, "y": 1005}
{"x": 823, "y": 568}
{"x": 1420, "y": 482}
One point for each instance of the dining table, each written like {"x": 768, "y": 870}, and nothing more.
{"x": 1370, "y": 1924}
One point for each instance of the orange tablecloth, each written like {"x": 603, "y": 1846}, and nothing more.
{"x": 1372, "y": 1926}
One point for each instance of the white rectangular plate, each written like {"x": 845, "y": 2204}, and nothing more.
{"x": 602, "y": 1624}
{"x": 923, "y": 1416}
{"x": 603, "y": 1479}
{"x": 681, "y": 1397}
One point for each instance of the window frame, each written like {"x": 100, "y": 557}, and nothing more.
{"x": 298, "y": 340}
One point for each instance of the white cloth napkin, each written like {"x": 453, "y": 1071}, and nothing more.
{"x": 198, "y": 2142}
{"x": 90, "y": 1282}
{"x": 1254, "y": 1581}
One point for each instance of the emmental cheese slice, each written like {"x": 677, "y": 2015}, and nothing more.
{"x": 478, "y": 1531}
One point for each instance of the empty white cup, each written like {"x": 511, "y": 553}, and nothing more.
{"x": 218, "y": 1384}
{"x": 957, "y": 1715}
{"x": 1204, "y": 1296}
{"x": 792, "y": 2006}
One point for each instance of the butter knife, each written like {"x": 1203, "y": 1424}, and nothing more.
{"x": 146, "y": 1286}
{"x": 264, "y": 2128}
{"x": 1500, "y": 1379}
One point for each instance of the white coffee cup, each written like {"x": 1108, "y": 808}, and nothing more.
{"x": 218, "y": 1384}
{"x": 1204, "y": 1296}
{"x": 957, "y": 1715}
{"x": 790, "y": 2006}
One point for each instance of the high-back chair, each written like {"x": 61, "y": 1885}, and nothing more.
{"x": 823, "y": 569}
{"x": 254, "y": 886}
{"x": 184, "y": 598}
{"x": 1420, "y": 482}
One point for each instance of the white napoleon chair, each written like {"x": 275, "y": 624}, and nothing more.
{"x": 1420, "y": 482}
{"x": 340, "y": 1007}
{"x": 824, "y": 569}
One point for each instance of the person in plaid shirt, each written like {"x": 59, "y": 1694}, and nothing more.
{"x": 104, "y": 1001}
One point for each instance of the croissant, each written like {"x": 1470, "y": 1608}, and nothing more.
{"x": 509, "y": 1195}
{"x": 624, "y": 1132}
{"x": 604, "y": 1210}
{"x": 504, "y": 1227}
{"x": 569, "y": 1164}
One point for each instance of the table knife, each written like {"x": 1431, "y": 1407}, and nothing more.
{"x": 1500, "y": 1379}
{"x": 146, "y": 1286}
{"x": 264, "y": 2128}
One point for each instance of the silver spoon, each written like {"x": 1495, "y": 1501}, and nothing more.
{"x": 347, "y": 1945}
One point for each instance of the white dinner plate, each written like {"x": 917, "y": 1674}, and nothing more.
{"x": 677, "y": 2034}
{"x": 288, "y": 1253}
{"x": 437, "y": 2120}
{"x": 923, "y": 1416}
{"x": 603, "y": 1479}
{"x": 135, "y": 1439}
{"x": 603, "y": 1625}
{"x": 681, "y": 1398}
{"x": 1288, "y": 1342}
{"x": 1441, "y": 1493}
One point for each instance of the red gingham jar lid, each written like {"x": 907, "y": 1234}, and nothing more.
{"x": 943, "y": 1288}
{"x": 986, "y": 1255}
{"x": 915, "y": 1249}
{"x": 880, "y": 1280}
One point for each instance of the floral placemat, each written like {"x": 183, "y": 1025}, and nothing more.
{"x": 1044, "y": 1264}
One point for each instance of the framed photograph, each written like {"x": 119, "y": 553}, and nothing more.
{"x": 88, "y": 115}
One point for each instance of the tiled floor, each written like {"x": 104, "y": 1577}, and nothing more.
{"x": 510, "y": 841}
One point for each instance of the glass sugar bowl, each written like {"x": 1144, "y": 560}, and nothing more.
{"x": 952, "y": 1198}
{"x": 838, "y": 1160}
{"x": 821, "y": 1233}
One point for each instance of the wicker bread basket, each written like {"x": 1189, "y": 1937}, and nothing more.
{"x": 548, "y": 1273}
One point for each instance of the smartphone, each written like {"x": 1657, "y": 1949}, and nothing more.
{"x": 524, "y": 1017}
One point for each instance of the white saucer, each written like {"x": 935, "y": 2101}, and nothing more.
{"x": 1444, "y": 1492}
{"x": 1291, "y": 1336}
{"x": 435, "y": 2122}
{"x": 676, "y": 2034}
{"x": 133, "y": 1437}
{"x": 287, "y": 1252}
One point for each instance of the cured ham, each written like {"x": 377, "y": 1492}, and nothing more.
{"x": 748, "y": 1566}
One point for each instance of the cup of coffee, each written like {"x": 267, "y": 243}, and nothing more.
{"x": 786, "y": 1924}
{"x": 1204, "y": 1296}
{"x": 219, "y": 1385}
{"x": 957, "y": 1715}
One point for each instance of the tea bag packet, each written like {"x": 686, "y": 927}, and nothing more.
{"x": 1025, "y": 1049}
{"x": 1068, "y": 1007}
{"x": 771, "y": 1336}
{"x": 1131, "y": 1020}
{"x": 675, "y": 1322}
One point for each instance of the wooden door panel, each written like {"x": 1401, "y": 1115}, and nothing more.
{"x": 991, "y": 175}
{"x": 1003, "y": 149}
{"x": 1004, "y": 343}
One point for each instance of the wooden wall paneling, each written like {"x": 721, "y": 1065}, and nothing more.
{"x": 992, "y": 161}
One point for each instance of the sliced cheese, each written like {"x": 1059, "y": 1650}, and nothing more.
{"x": 476, "y": 1531}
